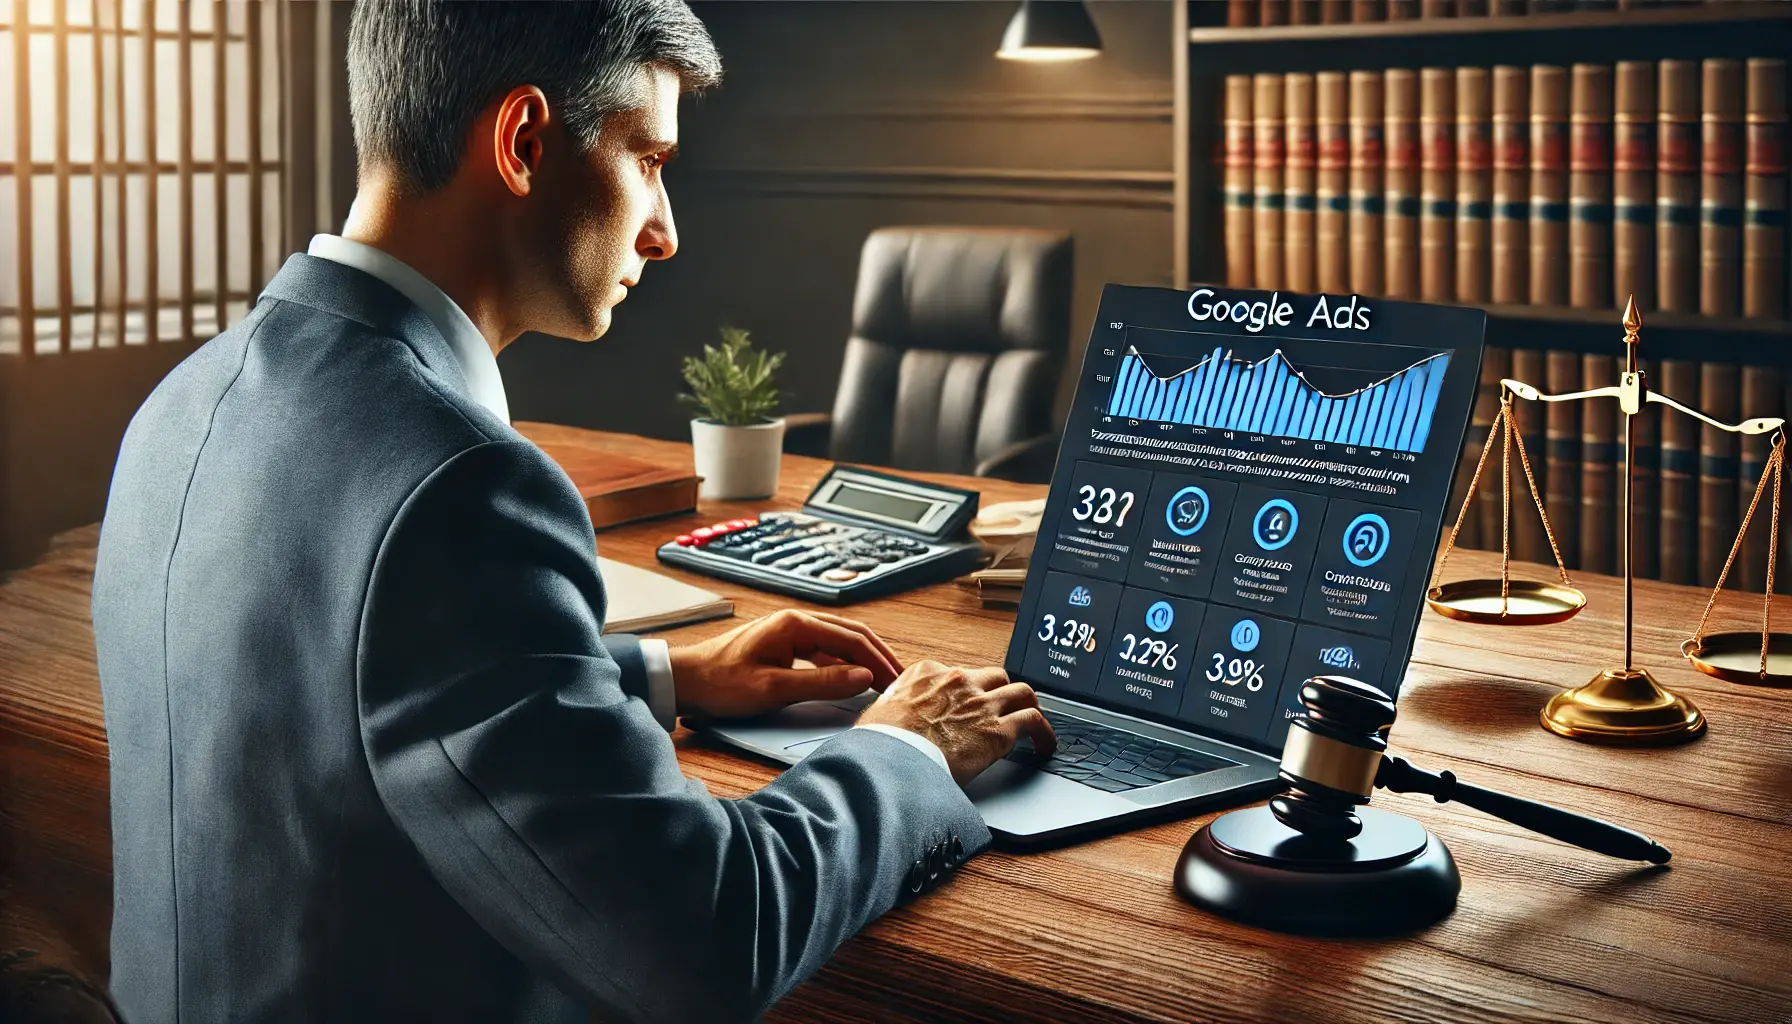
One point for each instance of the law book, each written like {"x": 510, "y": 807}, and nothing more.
{"x": 1304, "y": 12}
{"x": 1437, "y": 8}
{"x": 1718, "y": 387}
{"x": 1437, "y": 184}
{"x": 1368, "y": 10}
{"x": 1367, "y": 253}
{"x": 1529, "y": 542}
{"x": 1496, "y": 363}
{"x": 1241, "y": 13}
{"x": 1403, "y": 10}
{"x": 1590, "y": 188}
{"x": 1332, "y": 257}
{"x": 1273, "y": 12}
{"x": 1240, "y": 254}
{"x": 1677, "y": 188}
{"x": 1645, "y": 484}
{"x": 1598, "y": 467}
{"x": 1764, "y": 200}
{"x": 1401, "y": 224}
{"x": 1679, "y": 474}
{"x": 1633, "y": 184}
{"x": 640, "y": 600}
{"x": 618, "y": 489}
{"x": 1549, "y": 186}
{"x": 1269, "y": 153}
{"x": 1334, "y": 12}
{"x": 1511, "y": 185}
{"x": 1471, "y": 8}
{"x": 1474, "y": 184}
{"x": 1761, "y": 390}
{"x": 1720, "y": 188}
{"x": 1301, "y": 202}
{"x": 1562, "y": 374}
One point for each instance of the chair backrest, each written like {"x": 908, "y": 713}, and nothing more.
{"x": 958, "y": 335}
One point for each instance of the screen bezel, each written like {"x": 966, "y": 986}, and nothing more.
{"x": 1416, "y": 326}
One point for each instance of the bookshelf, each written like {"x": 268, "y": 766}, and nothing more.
{"x": 1723, "y": 29}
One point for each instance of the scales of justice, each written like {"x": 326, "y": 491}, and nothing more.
{"x": 1623, "y": 705}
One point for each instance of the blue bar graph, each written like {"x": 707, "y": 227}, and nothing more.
{"x": 1270, "y": 396}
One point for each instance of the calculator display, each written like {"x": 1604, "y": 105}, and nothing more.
{"x": 880, "y": 503}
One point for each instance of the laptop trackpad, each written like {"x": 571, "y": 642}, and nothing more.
{"x": 1019, "y": 799}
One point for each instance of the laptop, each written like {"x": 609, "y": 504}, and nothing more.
{"x": 1249, "y": 492}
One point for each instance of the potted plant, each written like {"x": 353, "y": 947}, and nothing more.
{"x": 735, "y": 438}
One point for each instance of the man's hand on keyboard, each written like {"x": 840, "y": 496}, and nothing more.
{"x": 750, "y": 670}
{"x": 974, "y": 715}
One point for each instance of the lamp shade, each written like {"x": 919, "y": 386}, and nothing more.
{"x": 1050, "y": 30}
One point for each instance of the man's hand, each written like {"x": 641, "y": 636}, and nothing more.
{"x": 748, "y": 670}
{"x": 974, "y": 715}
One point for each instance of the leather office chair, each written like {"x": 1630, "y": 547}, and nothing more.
{"x": 958, "y": 337}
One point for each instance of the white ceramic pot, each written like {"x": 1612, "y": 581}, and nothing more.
{"x": 737, "y": 462}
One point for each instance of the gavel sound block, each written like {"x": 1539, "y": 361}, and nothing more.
{"x": 1316, "y": 862}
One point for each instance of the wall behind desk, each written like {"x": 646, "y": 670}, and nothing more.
{"x": 839, "y": 117}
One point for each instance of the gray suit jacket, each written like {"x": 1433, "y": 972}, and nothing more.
{"x": 371, "y": 760}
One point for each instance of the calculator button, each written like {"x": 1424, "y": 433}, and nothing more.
{"x": 817, "y": 568}
{"x": 862, "y": 564}
{"x": 791, "y": 561}
{"x": 840, "y": 575}
{"x": 684, "y": 540}
{"x": 774, "y": 553}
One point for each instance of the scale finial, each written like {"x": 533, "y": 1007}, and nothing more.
{"x": 1633, "y": 321}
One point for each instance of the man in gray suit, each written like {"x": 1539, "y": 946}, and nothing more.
{"x": 370, "y": 758}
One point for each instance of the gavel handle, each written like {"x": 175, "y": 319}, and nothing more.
{"x": 1398, "y": 775}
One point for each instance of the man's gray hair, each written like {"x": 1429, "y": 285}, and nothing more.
{"x": 421, "y": 71}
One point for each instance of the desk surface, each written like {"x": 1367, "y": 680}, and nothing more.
{"x": 1094, "y": 932}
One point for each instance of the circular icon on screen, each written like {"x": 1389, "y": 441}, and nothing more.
{"x": 1245, "y": 634}
{"x": 1160, "y": 617}
{"x": 1275, "y": 524}
{"x": 1366, "y": 539}
{"x": 1187, "y": 511}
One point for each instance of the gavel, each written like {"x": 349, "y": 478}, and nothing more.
{"x": 1335, "y": 757}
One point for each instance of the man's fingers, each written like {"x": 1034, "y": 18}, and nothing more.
{"x": 1013, "y": 697}
{"x": 988, "y": 678}
{"x": 869, "y": 634}
{"x": 829, "y": 682}
{"x": 1031, "y": 723}
{"x": 812, "y": 634}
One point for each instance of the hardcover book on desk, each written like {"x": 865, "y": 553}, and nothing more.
{"x": 618, "y": 489}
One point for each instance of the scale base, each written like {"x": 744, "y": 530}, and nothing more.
{"x": 1623, "y": 707}
{"x": 1393, "y": 879}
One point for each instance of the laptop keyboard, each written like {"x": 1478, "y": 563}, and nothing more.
{"x": 1114, "y": 760}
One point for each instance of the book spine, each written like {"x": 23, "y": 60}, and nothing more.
{"x": 1333, "y": 218}
{"x": 1677, "y": 189}
{"x": 1761, "y": 391}
{"x": 1496, "y": 363}
{"x": 1403, "y": 10}
{"x": 1598, "y": 469}
{"x": 1273, "y": 12}
{"x": 1528, "y": 539}
{"x": 1645, "y": 485}
{"x": 1720, "y": 189}
{"x": 1304, "y": 12}
{"x": 1437, "y": 187}
{"x": 1334, "y": 12}
{"x": 1437, "y": 9}
{"x": 1366, "y": 157}
{"x": 1471, "y": 8}
{"x": 1269, "y": 153}
{"x": 1719, "y": 384}
{"x": 1590, "y": 188}
{"x": 1764, "y": 205}
{"x": 1240, "y": 256}
{"x": 1511, "y": 184}
{"x": 1562, "y": 373}
{"x": 1474, "y": 184}
{"x": 1241, "y": 13}
{"x": 1549, "y": 186}
{"x": 1679, "y": 476}
{"x": 1633, "y": 185}
{"x": 1368, "y": 10}
{"x": 1403, "y": 169}
{"x": 1301, "y": 202}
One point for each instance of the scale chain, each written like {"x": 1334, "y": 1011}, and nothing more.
{"x": 1775, "y": 461}
{"x": 1474, "y": 483}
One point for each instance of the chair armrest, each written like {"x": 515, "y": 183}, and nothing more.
{"x": 1028, "y": 461}
{"x": 807, "y": 433}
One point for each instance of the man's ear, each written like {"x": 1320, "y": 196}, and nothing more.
{"x": 520, "y": 137}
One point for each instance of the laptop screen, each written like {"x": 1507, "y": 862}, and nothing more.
{"x": 1249, "y": 492}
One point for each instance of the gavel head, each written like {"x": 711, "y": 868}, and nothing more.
{"x": 1331, "y": 756}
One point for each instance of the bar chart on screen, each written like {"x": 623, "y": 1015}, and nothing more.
{"x": 1272, "y": 396}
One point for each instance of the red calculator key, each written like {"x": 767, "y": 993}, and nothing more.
{"x": 718, "y": 527}
{"x": 738, "y": 524}
{"x": 701, "y": 534}
{"x": 684, "y": 540}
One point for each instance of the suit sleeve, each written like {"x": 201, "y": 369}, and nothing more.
{"x": 543, "y": 795}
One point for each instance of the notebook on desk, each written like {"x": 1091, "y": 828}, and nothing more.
{"x": 641, "y": 600}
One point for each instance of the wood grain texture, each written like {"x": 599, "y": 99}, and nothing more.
{"x": 1093, "y": 932}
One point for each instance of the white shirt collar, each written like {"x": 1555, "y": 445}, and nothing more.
{"x": 477, "y": 363}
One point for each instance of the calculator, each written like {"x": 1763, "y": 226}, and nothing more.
{"x": 860, "y": 534}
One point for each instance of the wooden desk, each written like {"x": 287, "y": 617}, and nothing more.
{"x": 1093, "y": 932}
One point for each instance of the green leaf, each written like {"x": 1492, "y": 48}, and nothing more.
{"x": 733, "y": 384}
